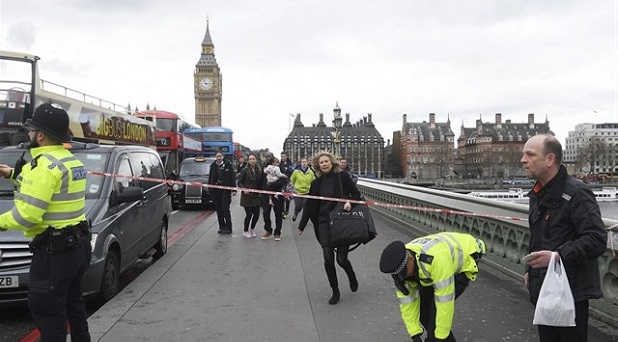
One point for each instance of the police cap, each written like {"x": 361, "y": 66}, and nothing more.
{"x": 52, "y": 120}
{"x": 394, "y": 258}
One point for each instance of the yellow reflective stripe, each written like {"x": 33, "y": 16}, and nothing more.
{"x": 68, "y": 196}
{"x": 409, "y": 299}
{"x": 64, "y": 183}
{"x": 35, "y": 202}
{"x": 63, "y": 215}
{"x": 20, "y": 219}
{"x": 445, "y": 298}
{"x": 444, "y": 283}
{"x": 460, "y": 255}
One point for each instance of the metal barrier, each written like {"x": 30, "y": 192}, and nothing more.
{"x": 507, "y": 240}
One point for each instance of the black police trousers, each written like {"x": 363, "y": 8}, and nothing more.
{"x": 55, "y": 292}
{"x": 221, "y": 200}
{"x": 428, "y": 306}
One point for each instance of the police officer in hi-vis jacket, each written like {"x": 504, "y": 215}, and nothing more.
{"x": 430, "y": 272}
{"x": 49, "y": 207}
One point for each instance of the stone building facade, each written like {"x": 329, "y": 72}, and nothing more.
{"x": 360, "y": 142}
{"x": 427, "y": 148}
{"x": 605, "y": 161}
{"x": 493, "y": 150}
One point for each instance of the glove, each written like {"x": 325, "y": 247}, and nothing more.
{"x": 417, "y": 338}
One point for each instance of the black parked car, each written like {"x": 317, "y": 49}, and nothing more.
{"x": 129, "y": 219}
{"x": 193, "y": 170}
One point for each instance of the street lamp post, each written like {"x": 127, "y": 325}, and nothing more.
{"x": 337, "y": 123}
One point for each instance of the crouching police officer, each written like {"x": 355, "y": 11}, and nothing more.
{"x": 430, "y": 272}
{"x": 49, "y": 207}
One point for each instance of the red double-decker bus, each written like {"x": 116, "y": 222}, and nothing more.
{"x": 172, "y": 144}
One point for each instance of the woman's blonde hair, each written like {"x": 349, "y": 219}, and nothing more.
{"x": 315, "y": 163}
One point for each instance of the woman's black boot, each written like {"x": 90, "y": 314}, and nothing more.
{"x": 334, "y": 299}
{"x": 353, "y": 281}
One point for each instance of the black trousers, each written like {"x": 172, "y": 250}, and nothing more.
{"x": 299, "y": 203}
{"x": 55, "y": 293}
{"x": 578, "y": 333}
{"x": 252, "y": 215}
{"x": 221, "y": 200}
{"x": 342, "y": 260}
{"x": 428, "y": 305}
{"x": 277, "y": 208}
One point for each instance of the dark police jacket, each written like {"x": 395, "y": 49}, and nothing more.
{"x": 564, "y": 217}
{"x": 223, "y": 174}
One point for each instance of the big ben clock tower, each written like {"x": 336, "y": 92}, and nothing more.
{"x": 207, "y": 81}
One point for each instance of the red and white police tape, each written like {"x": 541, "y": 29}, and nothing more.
{"x": 290, "y": 195}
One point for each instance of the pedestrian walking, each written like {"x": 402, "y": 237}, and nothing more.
{"x": 301, "y": 179}
{"x": 343, "y": 166}
{"x": 564, "y": 220}
{"x": 250, "y": 178}
{"x": 430, "y": 272}
{"x": 240, "y": 165}
{"x": 287, "y": 167}
{"x": 222, "y": 174}
{"x": 272, "y": 203}
{"x": 330, "y": 183}
{"x": 49, "y": 208}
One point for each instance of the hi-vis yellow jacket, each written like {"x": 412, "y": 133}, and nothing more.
{"x": 446, "y": 255}
{"x": 50, "y": 191}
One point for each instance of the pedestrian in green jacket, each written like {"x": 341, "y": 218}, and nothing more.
{"x": 301, "y": 179}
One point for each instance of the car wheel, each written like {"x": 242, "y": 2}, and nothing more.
{"x": 111, "y": 278}
{"x": 161, "y": 246}
{"x": 175, "y": 206}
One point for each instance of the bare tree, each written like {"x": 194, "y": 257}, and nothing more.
{"x": 595, "y": 152}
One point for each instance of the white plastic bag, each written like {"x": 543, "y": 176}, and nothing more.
{"x": 555, "y": 306}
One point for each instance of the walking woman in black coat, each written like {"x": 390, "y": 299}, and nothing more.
{"x": 250, "y": 178}
{"x": 331, "y": 183}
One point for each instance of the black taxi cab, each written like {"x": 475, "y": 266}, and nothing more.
{"x": 195, "y": 171}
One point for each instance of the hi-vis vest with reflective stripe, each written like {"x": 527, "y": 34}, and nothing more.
{"x": 446, "y": 255}
{"x": 50, "y": 191}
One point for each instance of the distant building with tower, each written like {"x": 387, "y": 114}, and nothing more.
{"x": 360, "y": 142}
{"x": 207, "y": 85}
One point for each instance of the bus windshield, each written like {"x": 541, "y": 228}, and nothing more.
{"x": 211, "y": 136}
{"x": 166, "y": 125}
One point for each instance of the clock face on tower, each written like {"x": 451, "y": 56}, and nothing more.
{"x": 205, "y": 83}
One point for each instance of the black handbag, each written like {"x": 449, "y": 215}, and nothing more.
{"x": 352, "y": 227}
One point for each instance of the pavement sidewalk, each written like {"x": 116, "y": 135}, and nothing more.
{"x": 214, "y": 287}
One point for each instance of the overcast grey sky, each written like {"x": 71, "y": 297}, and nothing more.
{"x": 466, "y": 59}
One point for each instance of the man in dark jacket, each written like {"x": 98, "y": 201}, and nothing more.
{"x": 565, "y": 219}
{"x": 222, "y": 173}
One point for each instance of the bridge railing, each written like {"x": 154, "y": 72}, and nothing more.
{"x": 495, "y": 222}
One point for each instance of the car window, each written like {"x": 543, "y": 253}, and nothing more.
{"x": 124, "y": 169}
{"x": 156, "y": 170}
{"x": 93, "y": 162}
{"x": 145, "y": 166}
{"x": 194, "y": 169}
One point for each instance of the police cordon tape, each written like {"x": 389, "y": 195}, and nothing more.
{"x": 291, "y": 195}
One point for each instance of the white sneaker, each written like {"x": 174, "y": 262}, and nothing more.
{"x": 252, "y": 232}
{"x": 246, "y": 234}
